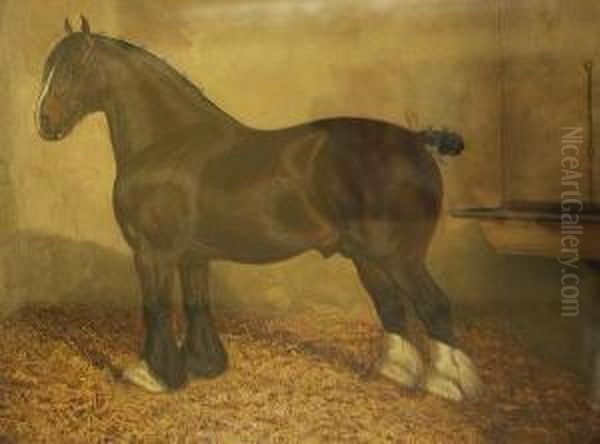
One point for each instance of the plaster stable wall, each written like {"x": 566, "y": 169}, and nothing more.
{"x": 254, "y": 59}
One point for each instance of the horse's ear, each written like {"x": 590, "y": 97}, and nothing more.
{"x": 68, "y": 28}
{"x": 85, "y": 25}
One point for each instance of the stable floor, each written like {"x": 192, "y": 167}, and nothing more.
{"x": 307, "y": 378}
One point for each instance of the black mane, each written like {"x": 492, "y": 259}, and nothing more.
{"x": 164, "y": 69}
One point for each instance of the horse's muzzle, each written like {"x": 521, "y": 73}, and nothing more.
{"x": 48, "y": 131}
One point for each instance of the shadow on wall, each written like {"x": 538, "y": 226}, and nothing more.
{"x": 305, "y": 282}
{"x": 45, "y": 269}
{"x": 49, "y": 269}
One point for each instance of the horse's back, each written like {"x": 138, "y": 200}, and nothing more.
{"x": 374, "y": 150}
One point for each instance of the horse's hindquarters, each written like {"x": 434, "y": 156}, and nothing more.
{"x": 382, "y": 189}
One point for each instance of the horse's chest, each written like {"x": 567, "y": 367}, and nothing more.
{"x": 157, "y": 211}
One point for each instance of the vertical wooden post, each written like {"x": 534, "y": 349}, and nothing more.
{"x": 500, "y": 73}
{"x": 589, "y": 68}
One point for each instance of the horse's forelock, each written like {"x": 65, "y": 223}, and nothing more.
{"x": 64, "y": 50}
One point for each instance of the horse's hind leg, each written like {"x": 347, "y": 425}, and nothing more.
{"x": 401, "y": 361}
{"x": 205, "y": 355}
{"x": 452, "y": 374}
{"x": 161, "y": 367}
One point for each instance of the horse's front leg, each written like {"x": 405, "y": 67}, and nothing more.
{"x": 205, "y": 355}
{"x": 161, "y": 367}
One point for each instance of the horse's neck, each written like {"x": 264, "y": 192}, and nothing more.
{"x": 143, "y": 108}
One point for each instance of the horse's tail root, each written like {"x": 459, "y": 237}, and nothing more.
{"x": 445, "y": 142}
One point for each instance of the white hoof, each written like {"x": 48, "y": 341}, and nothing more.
{"x": 140, "y": 375}
{"x": 453, "y": 375}
{"x": 401, "y": 362}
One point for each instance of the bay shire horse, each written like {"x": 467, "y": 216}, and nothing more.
{"x": 195, "y": 185}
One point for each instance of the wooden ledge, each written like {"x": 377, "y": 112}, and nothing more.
{"x": 534, "y": 231}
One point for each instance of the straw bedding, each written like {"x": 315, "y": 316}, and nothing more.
{"x": 306, "y": 378}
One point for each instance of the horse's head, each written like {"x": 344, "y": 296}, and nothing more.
{"x": 70, "y": 89}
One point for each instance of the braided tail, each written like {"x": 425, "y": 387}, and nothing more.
{"x": 445, "y": 142}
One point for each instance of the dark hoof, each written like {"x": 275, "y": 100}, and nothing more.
{"x": 170, "y": 370}
{"x": 207, "y": 362}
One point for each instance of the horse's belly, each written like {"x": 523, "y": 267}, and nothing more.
{"x": 260, "y": 227}
{"x": 261, "y": 249}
